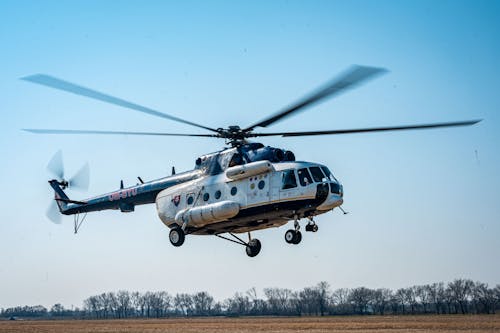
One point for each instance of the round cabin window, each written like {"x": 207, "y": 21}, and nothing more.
{"x": 234, "y": 190}
{"x": 217, "y": 194}
{"x": 261, "y": 184}
{"x": 190, "y": 200}
{"x": 206, "y": 196}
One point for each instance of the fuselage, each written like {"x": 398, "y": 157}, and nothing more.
{"x": 234, "y": 190}
{"x": 234, "y": 202}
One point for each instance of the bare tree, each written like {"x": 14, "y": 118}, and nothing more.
{"x": 411, "y": 298}
{"x": 323, "y": 296}
{"x": 461, "y": 290}
{"x": 239, "y": 304}
{"x": 278, "y": 300}
{"x": 108, "y": 303}
{"x": 497, "y": 294}
{"x": 202, "y": 303}
{"x": 360, "y": 299}
{"x": 436, "y": 295}
{"x": 340, "y": 299}
{"x": 93, "y": 306}
{"x": 58, "y": 310}
{"x": 484, "y": 298}
{"x": 259, "y": 306}
{"x": 380, "y": 299}
{"x": 139, "y": 303}
{"x": 296, "y": 304}
{"x": 308, "y": 298}
{"x": 424, "y": 296}
{"x": 159, "y": 303}
{"x": 124, "y": 302}
{"x": 184, "y": 303}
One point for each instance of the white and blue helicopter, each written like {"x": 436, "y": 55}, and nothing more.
{"x": 244, "y": 187}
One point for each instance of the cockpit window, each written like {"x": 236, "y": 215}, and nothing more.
{"x": 328, "y": 174}
{"x": 288, "y": 180}
{"x": 237, "y": 159}
{"x": 304, "y": 177}
{"x": 317, "y": 174}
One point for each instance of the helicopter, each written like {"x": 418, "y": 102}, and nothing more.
{"x": 244, "y": 187}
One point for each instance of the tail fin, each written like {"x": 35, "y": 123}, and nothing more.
{"x": 59, "y": 196}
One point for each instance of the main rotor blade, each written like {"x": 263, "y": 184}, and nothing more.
{"x": 374, "y": 129}
{"x": 53, "y": 82}
{"x": 349, "y": 79}
{"x": 57, "y": 131}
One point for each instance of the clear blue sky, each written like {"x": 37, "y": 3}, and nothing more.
{"x": 423, "y": 207}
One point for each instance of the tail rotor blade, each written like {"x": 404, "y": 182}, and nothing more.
{"x": 81, "y": 179}
{"x": 53, "y": 213}
{"x": 56, "y": 166}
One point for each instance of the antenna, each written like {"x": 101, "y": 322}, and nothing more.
{"x": 343, "y": 211}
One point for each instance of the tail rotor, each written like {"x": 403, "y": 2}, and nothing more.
{"x": 56, "y": 166}
{"x": 80, "y": 181}
{"x": 53, "y": 213}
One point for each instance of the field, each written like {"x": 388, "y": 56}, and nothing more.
{"x": 473, "y": 323}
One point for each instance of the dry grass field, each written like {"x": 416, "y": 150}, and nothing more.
{"x": 473, "y": 323}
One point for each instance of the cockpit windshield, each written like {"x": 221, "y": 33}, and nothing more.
{"x": 328, "y": 174}
{"x": 317, "y": 174}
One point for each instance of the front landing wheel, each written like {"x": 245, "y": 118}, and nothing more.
{"x": 253, "y": 247}
{"x": 177, "y": 236}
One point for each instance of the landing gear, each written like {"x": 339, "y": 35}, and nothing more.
{"x": 293, "y": 236}
{"x": 252, "y": 247}
{"x": 311, "y": 226}
{"x": 177, "y": 236}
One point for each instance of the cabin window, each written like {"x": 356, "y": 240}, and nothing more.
{"x": 261, "y": 184}
{"x": 206, "y": 196}
{"x": 289, "y": 180}
{"x": 317, "y": 174}
{"x": 217, "y": 194}
{"x": 234, "y": 190}
{"x": 304, "y": 177}
{"x": 190, "y": 198}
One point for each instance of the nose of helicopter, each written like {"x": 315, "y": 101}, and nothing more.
{"x": 330, "y": 195}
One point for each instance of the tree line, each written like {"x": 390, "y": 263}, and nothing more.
{"x": 461, "y": 296}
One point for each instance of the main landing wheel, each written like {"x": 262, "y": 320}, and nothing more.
{"x": 253, "y": 247}
{"x": 293, "y": 236}
{"x": 177, "y": 236}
